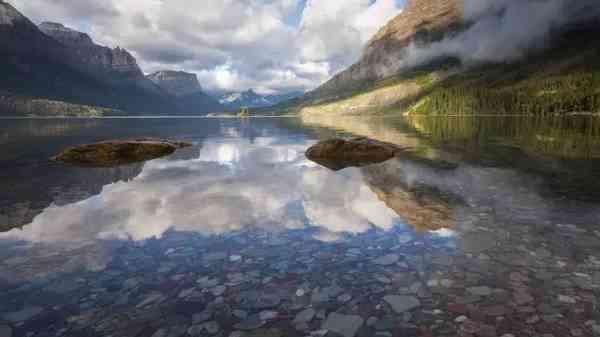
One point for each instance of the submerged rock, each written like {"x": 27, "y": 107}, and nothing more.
{"x": 262, "y": 333}
{"x": 338, "y": 154}
{"x": 119, "y": 152}
{"x": 305, "y": 316}
{"x": 401, "y": 304}
{"x": 251, "y": 323}
{"x": 268, "y": 315}
{"x": 387, "y": 260}
{"x": 345, "y": 325}
{"x": 480, "y": 291}
{"x": 478, "y": 242}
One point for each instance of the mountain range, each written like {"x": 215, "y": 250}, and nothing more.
{"x": 53, "y": 64}
{"x": 460, "y": 57}
{"x": 442, "y": 56}
{"x": 251, "y": 99}
{"x": 51, "y": 69}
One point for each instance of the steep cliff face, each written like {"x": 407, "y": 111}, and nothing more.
{"x": 11, "y": 19}
{"x": 16, "y": 29}
{"x": 177, "y": 83}
{"x": 98, "y": 58}
{"x": 34, "y": 64}
{"x": 69, "y": 67}
{"x": 66, "y": 35}
{"x": 418, "y": 20}
{"x": 421, "y": 21}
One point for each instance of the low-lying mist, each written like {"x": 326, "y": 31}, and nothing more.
{"x": 502, "y": 31}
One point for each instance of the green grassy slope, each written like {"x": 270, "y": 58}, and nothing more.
{"x": 563, "y": 80}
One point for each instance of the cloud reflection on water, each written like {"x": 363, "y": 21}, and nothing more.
{"x": 232, "y": 184}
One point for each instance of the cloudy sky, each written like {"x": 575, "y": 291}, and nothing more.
{"x": 268, "y": 45}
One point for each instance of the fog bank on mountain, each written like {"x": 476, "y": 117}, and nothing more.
{"x": 505, "y": 30}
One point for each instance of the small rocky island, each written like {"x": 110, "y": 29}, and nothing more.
{"x": 119, "y": 152}
{"x": 337, "y": 153}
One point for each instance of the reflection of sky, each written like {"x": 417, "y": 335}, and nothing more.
{"x": 232, "y": 184}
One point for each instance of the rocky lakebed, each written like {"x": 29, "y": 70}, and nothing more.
{"x": 486, "y": 282}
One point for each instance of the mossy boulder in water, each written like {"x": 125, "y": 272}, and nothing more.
{"x": 338, "y": 153}
{"x": 119, "y": 152}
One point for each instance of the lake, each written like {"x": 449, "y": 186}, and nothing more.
{"x": 490, "y": 222}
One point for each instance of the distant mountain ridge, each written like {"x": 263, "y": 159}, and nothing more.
{"x": 177, "y": 83}
{"x": 187, "y": 91}
{"x": 251, "y": 99}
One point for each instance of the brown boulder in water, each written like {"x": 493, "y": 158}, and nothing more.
{"x": 338, "y": 154}
{"x": 119, "y": 152}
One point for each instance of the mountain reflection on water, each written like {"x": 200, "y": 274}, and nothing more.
{"x": 564, "y": 151}
{"x": 242, "y": 227}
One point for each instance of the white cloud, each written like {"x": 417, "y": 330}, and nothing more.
{"x": 351, "y": 207}
{"x": 337, "y": 30}
{"x": 369, "y": 21}
{"x": 231, "y": 45}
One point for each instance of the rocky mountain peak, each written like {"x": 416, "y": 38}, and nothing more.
{"x": 61, "y": 65}
{"x": 123, "y": 61}
{"x": 421, "y": 20}
{"x": 65, "y": 35}
{"x": 19, "y": 35}
{"x": 96, "y": 58}
{"x": 417, "y": 18}
{"x": 178, "y": 83}
{"x": 10, "y": 17}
